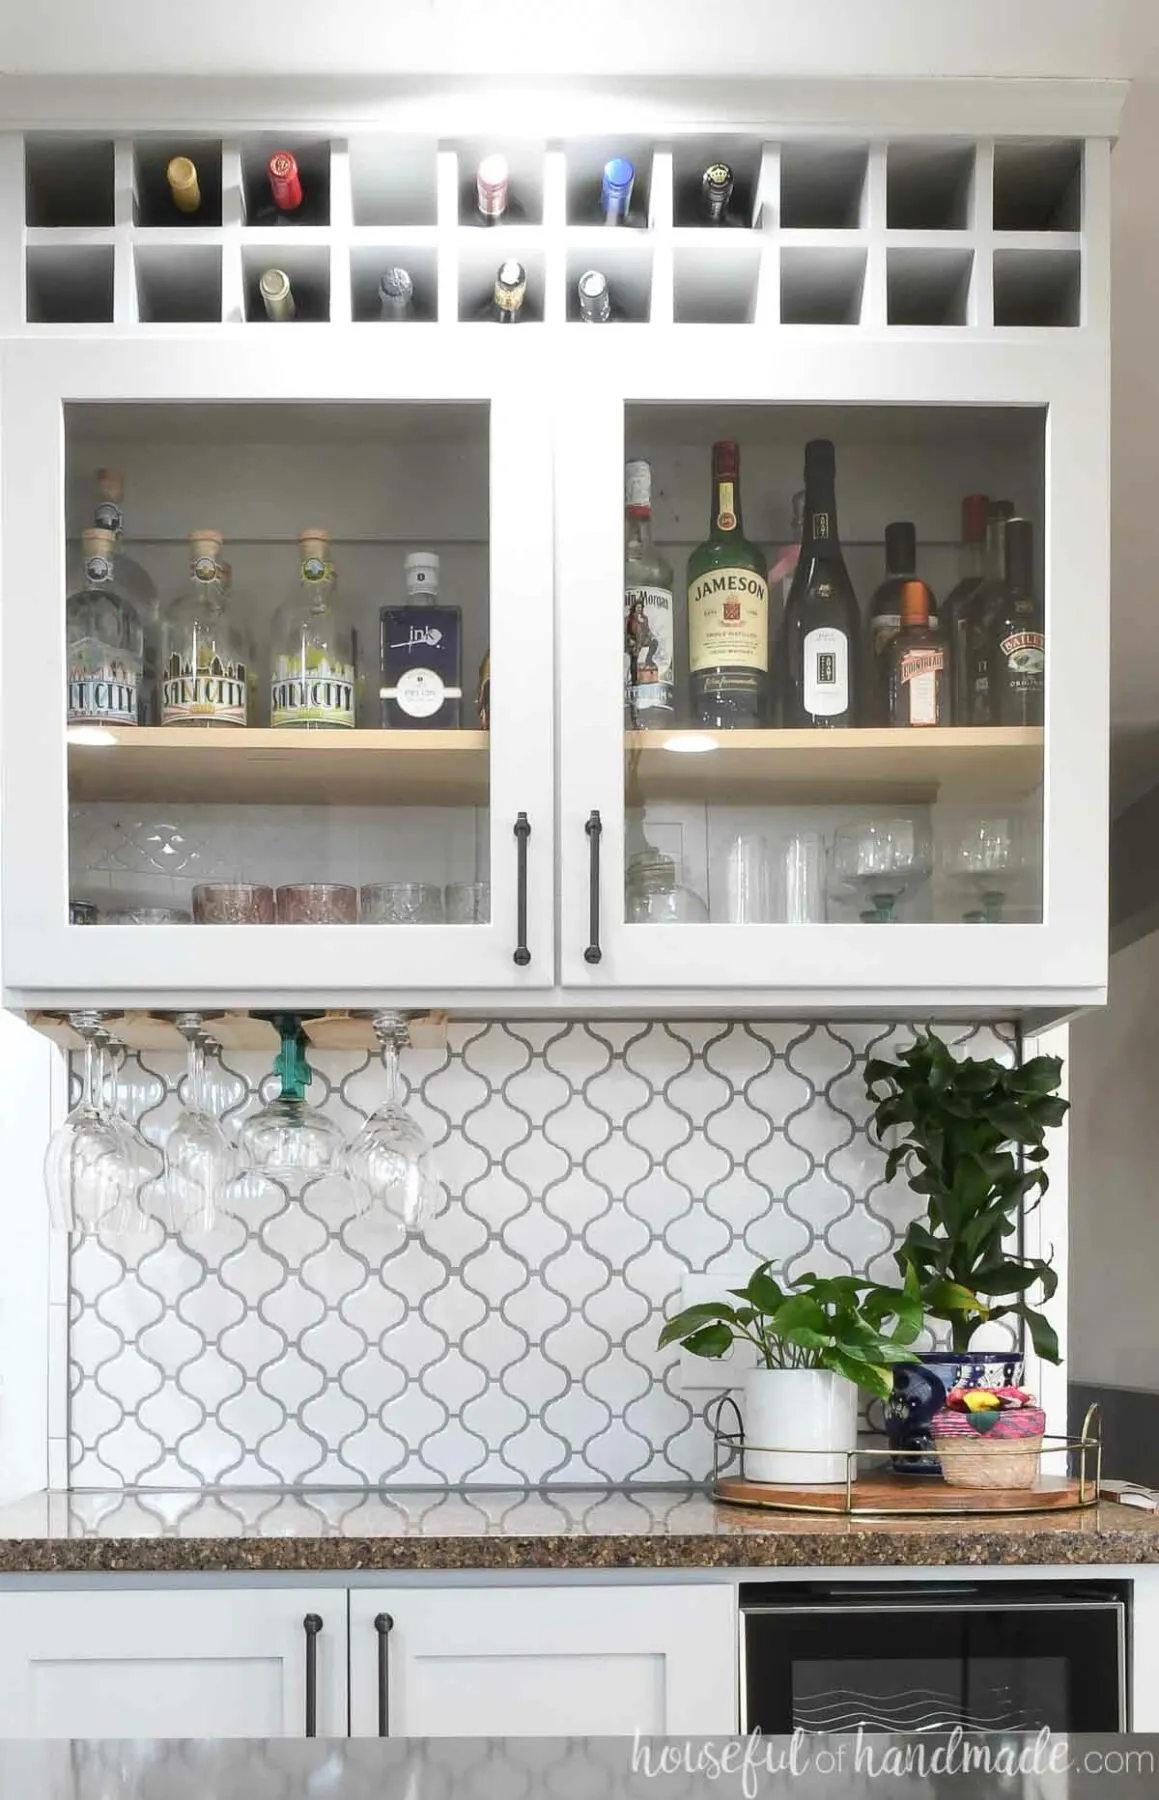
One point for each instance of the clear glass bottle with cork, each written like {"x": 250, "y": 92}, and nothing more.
{"x": 312, "y": 679}
{"x": 421, "y": 654}
{"x": 204, "y": 651}
{"x": 105, "y": 642}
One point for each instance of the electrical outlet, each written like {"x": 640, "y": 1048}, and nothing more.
{"x": 703, "y": 1374}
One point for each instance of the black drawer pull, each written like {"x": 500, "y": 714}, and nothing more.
{"x": 522, "y": 832}
{"x": 384, "y": 1625}
{"x": 312, "y": 1625}
{"x": 594, "y": 827}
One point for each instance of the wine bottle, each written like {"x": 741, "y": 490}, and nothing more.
{"x": 616, "y": 190}
{"x": 285, "y": 181}
{"x": 396, "y": 294}
{"x": 716, "y": 185}
{"x": 956, "y": 611}
{"x": 918, "y": 690}
{"x": 901, "y": 556}
{"x": 594, "y": 299}
{"x": 184, "y": 189}
{"x": 1016, "y": 652}
{"x": 822, "y": 626}
{"x": 493, "y": 202}
{"x": 505, "y": 307}
{"x": 277, "y": 295}
{"x": 979, "y": 608}
{"x": 728, "y": 611}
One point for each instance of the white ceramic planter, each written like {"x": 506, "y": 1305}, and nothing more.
{"x": 804, "y": 1410}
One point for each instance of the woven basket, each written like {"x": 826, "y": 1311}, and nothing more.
{"x": 1004, "y": 1457}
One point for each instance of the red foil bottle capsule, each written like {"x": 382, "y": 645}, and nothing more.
{"x": 285, "y": 182}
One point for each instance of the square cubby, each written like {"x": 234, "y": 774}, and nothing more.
{"x": 1037, "y": 287}
{"x": 697, "y": 187}
{"x": 177, "y": 181}
{"x": 627, "y": 270}
{"x": 711, "y": 287}
{"x": 69, "y": 284}
{"x": 823, "y": 185}
{"x": 1038, "y": 184}
{"x": 822, "y": 285}
{"x": 370, "y": 263}
{"x": 588, "y": 158}
{"x": 517, "y": 161}
{"x": 178, "y": 283}
{"x": 479, "y": 263}
{"x": 928, "y": 185}
{"x": 928, "y": 287}
{"x": 264, "y": 198}
{"x": 306, "y": 268}
{"x": 393, "y": 179}
{"x": 68, "y": 179}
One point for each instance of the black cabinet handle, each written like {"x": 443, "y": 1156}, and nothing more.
{"x": 384, "y": 1625}
{"x": 594, "y": 826}
{"x": 522, "y": 833}
{"x": 311, "y": 1625}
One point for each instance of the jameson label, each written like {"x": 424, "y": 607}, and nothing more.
{"x": 322, "y": 694}
{"x": 103, "y": 685}
{"x": 1025, "y": 656}
{"x": 728, "y": 620}
{"x": 826, "y": 672}
{"x": 649, "y": 649}
{"x": 212, "y": 693}
{"x": 918, "y": 674}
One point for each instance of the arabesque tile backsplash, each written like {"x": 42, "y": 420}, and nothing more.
{"x": 588, "y": 1167}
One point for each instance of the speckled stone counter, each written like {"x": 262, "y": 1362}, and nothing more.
{"x": 272, "y": 1530}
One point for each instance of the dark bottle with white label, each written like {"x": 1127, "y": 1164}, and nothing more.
{"x": 901, "y": 561}
{"x": 1016, "y": 637}
{"x": 822, "y": 626}
{"x": 918, "y": 688}
{"x": 422, "y": 680}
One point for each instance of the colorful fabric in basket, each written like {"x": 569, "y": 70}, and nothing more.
{"x": 1020, "y": 1422}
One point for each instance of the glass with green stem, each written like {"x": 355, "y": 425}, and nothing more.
{"x": 288, "y": 1137}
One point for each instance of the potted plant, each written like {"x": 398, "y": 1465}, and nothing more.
{"x": 970, "y": 1135}
{"x": 817, "y": 1343}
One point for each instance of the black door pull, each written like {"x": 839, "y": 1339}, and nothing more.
{"x": 522, "y": 832}
{"x": 312, "y": 1625}
{"x": 594, "y": 827}
{"x": 384, "y": 1625}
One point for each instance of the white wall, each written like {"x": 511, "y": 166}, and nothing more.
{"x": 1114, "y": 1179}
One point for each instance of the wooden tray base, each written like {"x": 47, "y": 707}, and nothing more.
{"x": 886, "y": 1495}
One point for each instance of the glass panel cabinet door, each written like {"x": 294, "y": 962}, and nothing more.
{"x": 289, "y": 727}
{"x": 833, "y": 652}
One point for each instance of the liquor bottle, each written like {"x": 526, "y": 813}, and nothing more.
{"x": 494, "y": 204}
{"x": 979, "y": 608}
{"x": 918, "y": 688}
{"x": 184, "y": 188}
{"x": 421, "y": 645}
{"x": 205, "y": 653}
{"x": 277, "y": 296}
{"x": 821, "y": 634}
{"x": 129, "y": 579}
{"x": 901, "y": 557}
{"x": 594, "y": 300}
{"x": 781, "y": 578}
{"x": 505, "y": 306}
{"x": 483, "y": 694}
{"x": 649, "y": 636}
{"x": 716, "y": 185}
{"x": 1016, "y": 653}
{"x": 728, "y": 611}
{"x": 396, "y": 294}
{"x": 956, "y": 610}
{"x": 616, "y": 190}
{"x": 105, "y": 642}
{"x": 312, "y": 646}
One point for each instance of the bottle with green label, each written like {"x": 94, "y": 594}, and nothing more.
{"x": 205, "y": 653}
{"x": 312, "y": 683}
{"x": 728, "y": 612}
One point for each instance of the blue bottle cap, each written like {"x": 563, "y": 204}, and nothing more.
{"x": 616, "y": 193}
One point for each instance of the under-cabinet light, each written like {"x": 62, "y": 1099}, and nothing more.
{"x": 694, "y": 743}
{"x": 90, "y": 734}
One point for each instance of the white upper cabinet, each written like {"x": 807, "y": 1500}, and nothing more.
{"x": 503, "y": 816}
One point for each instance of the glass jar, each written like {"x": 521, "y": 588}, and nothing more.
{"x": 317, "y": 903}
{"x": 655, "y": 897}
{"x": 402, "y": 903}
{"x": 144, "y": 915}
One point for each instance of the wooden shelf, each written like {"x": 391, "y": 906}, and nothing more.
{"x": 282, "y": 768}
{"x": 342, "y": 1031}
{"x": 839, "y": 767}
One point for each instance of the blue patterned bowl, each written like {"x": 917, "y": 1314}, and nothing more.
{"x": 920, "y": 1389}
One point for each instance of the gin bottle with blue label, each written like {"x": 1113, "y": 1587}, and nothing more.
{"x": 422, "y": 681}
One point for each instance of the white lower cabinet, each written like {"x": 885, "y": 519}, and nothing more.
{"x": 543, "y": 1661}
{"x": 158, "y": 1662}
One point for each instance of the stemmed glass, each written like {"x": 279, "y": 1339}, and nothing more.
{"x": 201, "y": 1159}
{"x": 390, "y": 1164}
{"x": 985, "y": 856}
{"x": 288, "y": 1137}
{"x": 97, "y": 1162}
{"x": 879, "y": 861}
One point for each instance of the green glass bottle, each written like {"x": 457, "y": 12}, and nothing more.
{"x": 728, "y": 612}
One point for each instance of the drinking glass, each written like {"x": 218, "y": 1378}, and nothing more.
{"x": 317, "y": 903}
{"x": 402, "y": 903}
{"x": 748, "y": 895}
{"x": 879, "y": 861}
{"x": 287, "y": 1137}
{"x": 390, "y": 1164}
{"x": 804, "y": 878}
{"x": 985, "y": 857}
{"x": 467, "y": 902}
{"x": 200, "y": 1158}
{"x": 96, "y": 1162}
{"x": 233, "y": 903}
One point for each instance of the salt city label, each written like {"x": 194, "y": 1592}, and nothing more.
{"x": 324, "y": 696}
{"x": 102, "y": 689}
{"x": 728, "y": 620}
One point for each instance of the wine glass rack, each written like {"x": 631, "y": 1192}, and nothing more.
{"x": 962, "y": 235}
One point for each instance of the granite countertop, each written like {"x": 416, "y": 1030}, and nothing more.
{"x": 341, "y": 1530}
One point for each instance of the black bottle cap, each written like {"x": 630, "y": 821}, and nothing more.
{"x": 901, "y": 548}
{"x": 1020, "y": 556}
{"x": 820, "y": 460}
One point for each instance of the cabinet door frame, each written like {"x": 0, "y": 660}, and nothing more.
{"x": 692, "y": 1627}
{"x": 1060, "y": 962}
{"x": 150, "y": 1624}
{"x": 47, "y": 961}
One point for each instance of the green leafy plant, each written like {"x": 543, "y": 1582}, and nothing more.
{"x": 970, "y": 1139}
{"x": 839, "y": 1322}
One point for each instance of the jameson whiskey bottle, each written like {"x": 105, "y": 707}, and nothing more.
{"x": 105, "y": 642}
{"x": 204, "y": 652}
{"x": 312, "y": 683}
{"x": 649, "y": 643}
{"x": 822, "y": 626}
{"x": 1016, "y": 649}
{"x": 421, "y": 645}
{"x": 728, "y": 611}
